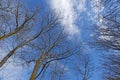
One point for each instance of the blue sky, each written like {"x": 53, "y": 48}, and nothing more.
{"x": 80, "y": 15}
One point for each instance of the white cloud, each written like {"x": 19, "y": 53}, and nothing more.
{"x": 68, "y": 13}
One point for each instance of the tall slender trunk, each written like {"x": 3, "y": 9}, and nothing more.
{"x": 85, "y": 72}
{"x": 38, "y": 64}
{"x": 4, "y": 60}
{"x": 35, "y": 70}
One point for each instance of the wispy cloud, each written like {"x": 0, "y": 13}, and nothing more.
{"x": 69, "y": 12}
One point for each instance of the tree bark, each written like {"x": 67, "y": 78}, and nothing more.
{"x": 37, "y": 66}
{"x": 4, "y": 60}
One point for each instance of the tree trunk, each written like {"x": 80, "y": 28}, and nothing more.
{"x": 4, "y": 60}
{"x": 36, "y": 67}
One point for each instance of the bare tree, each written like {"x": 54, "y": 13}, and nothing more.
{"x": 59, "y": 71}
{"x": 111, "y": 67}
{"x": 53, "y": 48}
{"x": 108, "y": 31}
{"x": 14, "y": 18}
{"x": 84, "y": 66}
{"x": 109, "y": 38}
{"x": 21, "y": 31}
{"x": 16, "y": 27}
